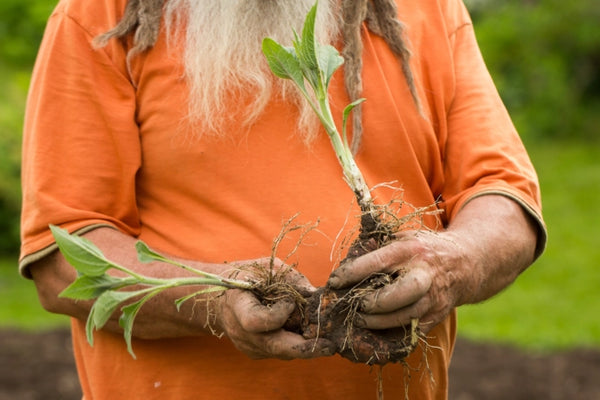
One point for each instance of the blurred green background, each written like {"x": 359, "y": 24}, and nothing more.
{"x": 545, "y": 58}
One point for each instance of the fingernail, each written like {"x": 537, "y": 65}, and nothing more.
{"x": 359, "y": 321}
{"x": 328, "y": 350}
{"x": 366, "y": 304}
{"x": 333, "y": 282}
{"x": 284, "y": 305}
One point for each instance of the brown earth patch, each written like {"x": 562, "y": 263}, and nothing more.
{"x": 39, "y": 366}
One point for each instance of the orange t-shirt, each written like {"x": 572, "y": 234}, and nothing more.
{"x": 108, "y": 145}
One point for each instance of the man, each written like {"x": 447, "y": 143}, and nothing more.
{"x": 171, "y": 129}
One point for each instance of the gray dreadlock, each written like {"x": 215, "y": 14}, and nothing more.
{"x": 142, "y": 18}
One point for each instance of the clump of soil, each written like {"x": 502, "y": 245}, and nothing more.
{"x": 332, "y": 314}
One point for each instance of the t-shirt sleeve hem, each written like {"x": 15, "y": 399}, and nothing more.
{"x": 527, "y": 205}
{"x": 32, "y": 257}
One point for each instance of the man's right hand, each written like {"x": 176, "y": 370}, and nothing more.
{"x": 256, "y": 329}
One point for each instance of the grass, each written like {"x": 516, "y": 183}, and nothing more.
{"x": 553, "y": 305}
{"x": 19, "y": 306}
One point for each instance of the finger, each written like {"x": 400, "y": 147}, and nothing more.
{"x": 401, "y": 293}
{"x": 395, "y": 319}
{"x": 385, "y": 259}
{"x": 286, "y": 345}
{"x": 301, "y": 284}
{"x": 255, "y": 317}
{"x": 313, "y": 348}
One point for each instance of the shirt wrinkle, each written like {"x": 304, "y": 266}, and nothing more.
{"x": 62, "y": 10}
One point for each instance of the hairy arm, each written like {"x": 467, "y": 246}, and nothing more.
{"x": 488, "y": 244}
{"x": 252, "y": 327}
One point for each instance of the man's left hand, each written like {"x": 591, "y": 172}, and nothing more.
{"x": 426, "y": 289}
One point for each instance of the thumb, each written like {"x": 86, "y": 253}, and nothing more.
{"x": 301, "y": 284}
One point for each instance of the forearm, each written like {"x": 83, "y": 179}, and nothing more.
{"x": 498, "y": 238}
{"x": 158, "y": 318}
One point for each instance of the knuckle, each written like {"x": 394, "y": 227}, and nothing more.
{"x": 247, "y": 321}
{"x": 276, "y": 349}
{"x": 421, "y": 281}
{"x": 421, "y": 308}
{"x": 383, "y": 258}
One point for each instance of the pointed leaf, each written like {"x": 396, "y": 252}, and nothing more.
{"x": 103, "y": 308}
{"x": 108, "y": 302}
{"x": 87, "y": 287}
{"x": 89, "y": 327}
{"x": 350, "y": 107}
{"x": 126, "y": 322}
{"x": 282, "y": 61}
{"x": 306, "y": 48}
{"x": 329, "y": 61}
{"x": 346, "y": 113}
{"x": 129, "y": 312}
{"x": 146, "y": 254}
{"x": 82, "y": 254}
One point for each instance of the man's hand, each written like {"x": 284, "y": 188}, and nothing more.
{"x": 427, "y": 290}
{"x": 253, "y": 327}
{"x": 483, "y": 250}
{"x": 256, "y": 329}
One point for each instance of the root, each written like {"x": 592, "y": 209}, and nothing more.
{"x": 380, "y": 223}
{"x": 270, "y": 283}
{"x": 318, "y": 322}
{"x": 286, "y": 229}
{"x": 211, "y": 315}
{"x": 380, "y": 383}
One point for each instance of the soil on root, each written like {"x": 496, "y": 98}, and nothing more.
{"x": 40, "y": 366}
{"x": 333, "y": 315}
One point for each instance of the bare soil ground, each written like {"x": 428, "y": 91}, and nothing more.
{"x": 39, "y": 366}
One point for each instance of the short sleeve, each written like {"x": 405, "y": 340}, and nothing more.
{"x": 81, "y": 147}
{"x": 484, "y": 154}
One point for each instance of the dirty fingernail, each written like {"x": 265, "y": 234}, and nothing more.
{"x": 366, "y": 304}
{"x": 359, "y": 321}
{"x": 333, "y": 282}
{"x": 327, "y": 351}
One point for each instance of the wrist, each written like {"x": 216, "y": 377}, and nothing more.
{"x": 464, "y": 266}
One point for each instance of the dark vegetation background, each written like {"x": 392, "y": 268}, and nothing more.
{"x": 544, "y": 56}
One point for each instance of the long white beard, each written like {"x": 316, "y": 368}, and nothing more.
{"x": 222, "y": 56}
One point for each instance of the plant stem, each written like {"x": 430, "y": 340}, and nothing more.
{"x": 176, "y": 282}
{"x": 352, "y": 174}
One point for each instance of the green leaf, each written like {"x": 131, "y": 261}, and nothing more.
{"x": 104, "y": 307}
{"x": 82, "y": 254}
{"x": 107, "y": 303}
{"x": 87, "y": 287}
{"x": 283, "y": 61}
{"x": 351, "y": 107}
{"x": 146, "y": 254}
{"x": 346, "y": 113}
{"x": 129, "y": 312}
{"x": 318, "y": 62}
{"x": 89, "y": 328}
{"x": 306, "y": 48}
{"x": 329, "y": 61}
